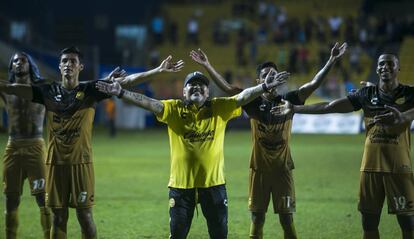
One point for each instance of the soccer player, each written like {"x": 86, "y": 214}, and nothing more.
{"x": 70, "y": 108}
{"x": 196, "y": 128}
{"x": 271, "y": 162}
{"x": 24, "y": 155}
{"x": 386, "y": 164}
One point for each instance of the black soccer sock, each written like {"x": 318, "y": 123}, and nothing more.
{"x": 12, "y": 222}
{"x": 289, "y": 231}
{"x": 45, "y": 221}
{"x": 256, "y": 230}
{"x": 371, "y": 234}
{"x": 57, "y": 233}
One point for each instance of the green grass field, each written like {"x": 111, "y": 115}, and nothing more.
{"x": 132, "y": 172}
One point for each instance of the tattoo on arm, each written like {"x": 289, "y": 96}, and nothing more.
{"x": 249, "y": 94}
{"x": 143, "y": 101}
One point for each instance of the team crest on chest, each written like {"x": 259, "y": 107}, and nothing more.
{"x": 400, "y": 101}
{"x": 80, "y": 95}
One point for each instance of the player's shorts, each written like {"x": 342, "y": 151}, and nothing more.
{"x": 24, "y": 158}
{"x": 213, "y": 201}
{"x": 277, "y": 184}
{"x": 397, "y": 188}
{"x": 70, "y": 186}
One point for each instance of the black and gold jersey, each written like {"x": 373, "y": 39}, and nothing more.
{"x": 70, "y": 115}
{"x": 387, "y": 148}
{"x": 271, "y": 134}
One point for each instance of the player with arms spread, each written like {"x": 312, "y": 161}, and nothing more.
{"x": 386, "y": 170}
{"x": 196, "y": 128}
{"x": 70, "y": 109}
{"x": 271, "y": 162}
{"x": 24, "y": 155}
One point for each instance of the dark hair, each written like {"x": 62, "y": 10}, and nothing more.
{"x": 33, "y": 69}
{"x": 72, "y": 50}
{"x": 265, "y": 65}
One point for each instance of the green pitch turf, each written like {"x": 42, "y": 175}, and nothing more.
{"x": 132, "y": 172}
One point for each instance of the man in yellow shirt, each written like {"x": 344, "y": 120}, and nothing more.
{"x": 196, "y": 128}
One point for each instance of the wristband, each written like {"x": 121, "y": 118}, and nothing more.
{"x": 264, "y": 87}
{"x": 121, "y": 93}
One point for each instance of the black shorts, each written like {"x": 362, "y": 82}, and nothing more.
{"x": 213, "y": 201}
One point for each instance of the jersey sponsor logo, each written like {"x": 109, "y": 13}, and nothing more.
{"x": 67, "y": 135}
{"x": 380, "y": 136}
{"x": 194, "y": 136}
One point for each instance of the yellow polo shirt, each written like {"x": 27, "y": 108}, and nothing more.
{"x": 196, "y": 140}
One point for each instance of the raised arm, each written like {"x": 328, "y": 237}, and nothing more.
{"x": 21, "y": 90}
{"x": 165, "y": 66}
{"x": 307, "y": 89}
{"x": 342, "y": 105}
{"x": 201, "y": 58}
{"x": 272, "y": 80}
{"x": 138, "y": 99}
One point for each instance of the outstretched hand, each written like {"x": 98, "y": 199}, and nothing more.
{"x": 117, "y": 73}
{"x": 274, "y": 79}
{"x": 337, "y": 51}
{"x": 393, "y": 117}
{"x": 200, "y": 57}
{"x": 168, "y": 66}
{"x": 283, "y": 109}
{"x": 109, "y": 88}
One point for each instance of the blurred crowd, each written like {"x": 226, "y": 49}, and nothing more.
{"x": 265, "y": 22}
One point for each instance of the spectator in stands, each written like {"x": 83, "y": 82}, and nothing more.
{"x": 240, "y": 47}
{"x": 154, "y": 57}
{"x": 172, "y": 32}
{"x": 335, "y": 23}
{"x": 282, "y": 58}
{"x": 293, "y": 59}
{"x": 309, "y": 25}
{"x": 110, "y": 111}
{"x": 355, "y": 58}
{"x": 303, "y": 59}
{"x": 157, "y": 29}
{"x": 192, "y": 31}
{"x": 321, "y": 29}
{"x": 348, "y": 85}
{"x": 350, "y": 30}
